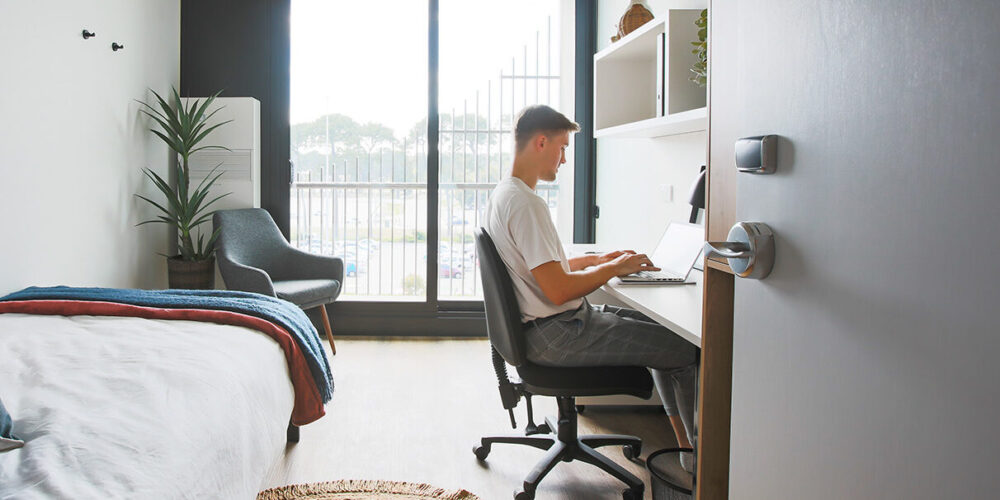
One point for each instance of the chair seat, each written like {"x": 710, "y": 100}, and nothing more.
{"x": 307, "y": 293}
{"x": 586, "y": 381}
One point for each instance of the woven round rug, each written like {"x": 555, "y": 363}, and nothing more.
{"x": 363, "y": 490}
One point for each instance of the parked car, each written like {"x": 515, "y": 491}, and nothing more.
{"x": 351, "y": 263}
{"x": 315, "y": 245}
{"x": 460, "y": 221}
{"x": 471, "y": 262}
{"x": 339, "y": 247}
{"x": 364, "y": 245}
{"x": 368, "y": 245}
{"x": 447, "y": 270}
{"x": 465, "y": 251}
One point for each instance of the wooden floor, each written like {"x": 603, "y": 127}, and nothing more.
{"x": 411, "y": 410}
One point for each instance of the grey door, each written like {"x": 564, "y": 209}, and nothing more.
{"x": 868, "y": 364}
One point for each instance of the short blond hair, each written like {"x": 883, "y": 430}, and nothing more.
{"x": 540, "y": 118}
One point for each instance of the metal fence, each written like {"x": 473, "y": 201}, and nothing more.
{"x": 372, "y": 210}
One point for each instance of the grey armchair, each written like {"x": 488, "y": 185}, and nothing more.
{"x": 253, "y": 256}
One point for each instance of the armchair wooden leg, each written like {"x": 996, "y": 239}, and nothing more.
{"x": 326, "y": 326}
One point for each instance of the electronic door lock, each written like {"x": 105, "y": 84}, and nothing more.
{"x": 749, "y": 249}
{"x": 757, "y": 155}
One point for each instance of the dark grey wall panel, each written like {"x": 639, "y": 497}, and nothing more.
{"x": 243, "y": 46}
{"x": 585, "y": 177}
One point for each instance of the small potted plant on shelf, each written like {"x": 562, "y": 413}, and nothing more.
{"x": 700, "y": 68}
{"x": 183, "y": 127}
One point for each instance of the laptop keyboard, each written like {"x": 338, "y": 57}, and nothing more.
{"x": 656, "y": 275}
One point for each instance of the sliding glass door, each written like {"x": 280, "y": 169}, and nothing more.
{"x": 359, "y": 142}
{"x": 372, "y": 182}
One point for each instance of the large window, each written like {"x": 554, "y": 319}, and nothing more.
{"x": 496, "y": 58}
{"x": 359, "y": 135}
{"x": 359, "y": 141}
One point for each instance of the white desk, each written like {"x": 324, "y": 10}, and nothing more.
{"x": 678, "y": 307}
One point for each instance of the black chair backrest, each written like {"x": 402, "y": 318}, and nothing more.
{"x": 503, "y": 315}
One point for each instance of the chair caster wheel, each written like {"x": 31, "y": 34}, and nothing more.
{"x": 524, "y": 495}
{"x": 481, "y": 452}
{"x": 632, "y": 494}
{"x": 632, "y": 452}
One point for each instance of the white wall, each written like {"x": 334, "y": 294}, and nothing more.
{"x": 72, "y": 142}
{"x": 634, "y": 176}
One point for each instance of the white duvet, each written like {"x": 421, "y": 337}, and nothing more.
{"x": 115, "y": 407}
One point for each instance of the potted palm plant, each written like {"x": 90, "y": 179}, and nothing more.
{"x": 183, "y": 127}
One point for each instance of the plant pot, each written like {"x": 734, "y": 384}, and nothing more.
{"x": 191, "y": 275}
{"x": 636, "y": 15}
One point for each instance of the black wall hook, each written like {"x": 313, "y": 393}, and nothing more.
{"x": 115, "y": 46}
{"x": 88, "y": 34}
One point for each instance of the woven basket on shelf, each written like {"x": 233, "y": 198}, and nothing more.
{"x": 636, "y": 15}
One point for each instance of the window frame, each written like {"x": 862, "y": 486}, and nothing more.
{"x": 259, "y": 32}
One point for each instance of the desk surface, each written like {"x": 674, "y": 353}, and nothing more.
{"x": 677, "y": 307}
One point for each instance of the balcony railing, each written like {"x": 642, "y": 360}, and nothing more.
{"x": 379, "y": 229}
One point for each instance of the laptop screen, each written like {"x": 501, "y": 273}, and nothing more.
{"x": 679, "y": 247}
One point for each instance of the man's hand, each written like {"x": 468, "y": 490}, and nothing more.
{"x": 610, "y": 256}
{"x": 584, "y": 261}
{"x": 628, "y": 263}
{"x": 560, "y": 286}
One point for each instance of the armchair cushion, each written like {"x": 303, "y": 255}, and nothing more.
{"x": 307, "y": 293}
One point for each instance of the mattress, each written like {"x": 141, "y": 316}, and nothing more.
{"x": 121, "y": 407}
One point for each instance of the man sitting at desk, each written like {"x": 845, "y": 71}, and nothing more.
{"x": 563, "y": 329}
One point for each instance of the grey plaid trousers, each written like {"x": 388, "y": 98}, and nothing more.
{"x": 606, "y": 335}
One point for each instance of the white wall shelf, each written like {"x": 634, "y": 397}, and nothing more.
{"x": 678, "y": 123}
{"x": 626, "y": 81}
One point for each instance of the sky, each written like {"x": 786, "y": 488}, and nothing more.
{"x": 368, "y": 60}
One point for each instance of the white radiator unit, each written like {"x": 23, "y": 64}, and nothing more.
{"x": 240, "y": 166}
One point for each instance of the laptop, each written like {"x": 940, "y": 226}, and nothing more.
{"x": 678, "y": 249}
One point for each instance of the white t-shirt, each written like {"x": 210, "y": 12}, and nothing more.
{"x": 519, "y": 223}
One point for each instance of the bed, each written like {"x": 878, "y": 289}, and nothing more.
{"x": 175, "y": 404}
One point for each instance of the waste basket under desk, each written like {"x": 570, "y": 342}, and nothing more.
{"x": 678, "y": 307}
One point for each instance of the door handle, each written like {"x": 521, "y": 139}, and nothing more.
{"x": 728, "y": 249}
{"x": 749, "y": 249}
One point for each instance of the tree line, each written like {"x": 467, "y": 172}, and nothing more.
{"x": 372, "y": 151}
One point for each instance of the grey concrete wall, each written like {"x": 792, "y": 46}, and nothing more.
{"x": 866, "y": 365}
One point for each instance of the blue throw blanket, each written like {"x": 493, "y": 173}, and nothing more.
{"x": 277, "y": 311}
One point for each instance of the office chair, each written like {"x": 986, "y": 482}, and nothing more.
{"x": 506, "y": 332}
{"x": 254, "y": 257}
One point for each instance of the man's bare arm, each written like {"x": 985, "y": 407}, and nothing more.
{"x": 582, "y": 262}
{"x": 585, "y": 261}
{"x": 561, "y": 287}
